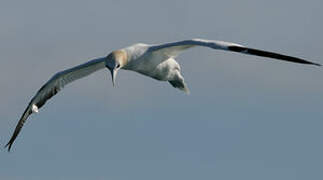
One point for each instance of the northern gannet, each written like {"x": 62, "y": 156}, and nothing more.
{"x": 156, "y": 61}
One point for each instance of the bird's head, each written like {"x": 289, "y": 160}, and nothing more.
{"x": 115, "y": 61}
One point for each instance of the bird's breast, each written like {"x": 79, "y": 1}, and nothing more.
{"x": 163, "y": 71}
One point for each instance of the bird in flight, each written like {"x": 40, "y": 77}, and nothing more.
{"x": 156, "y": 61}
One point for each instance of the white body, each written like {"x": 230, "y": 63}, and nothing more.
{"x": 154, "y": 65}
{"x": 155, "y": 61}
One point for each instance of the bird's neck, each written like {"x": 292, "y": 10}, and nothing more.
{"x": 122, "y": 57}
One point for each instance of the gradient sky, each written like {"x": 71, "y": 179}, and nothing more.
{"x": 247, "y": 117}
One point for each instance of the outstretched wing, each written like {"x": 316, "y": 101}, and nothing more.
{"x": 52, "y": 87}
{"x": 174, "y": 49}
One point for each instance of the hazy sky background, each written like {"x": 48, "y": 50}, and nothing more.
{"x": 246, "y": 118}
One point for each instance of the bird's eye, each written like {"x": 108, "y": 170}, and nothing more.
{"x": 118, "y": 65}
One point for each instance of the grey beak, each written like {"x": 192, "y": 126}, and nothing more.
{"x": 113, "y": 76}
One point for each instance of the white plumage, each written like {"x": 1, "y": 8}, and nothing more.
{"x": 155, "y": 61}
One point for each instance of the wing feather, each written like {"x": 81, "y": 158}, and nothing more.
{"x": 174, "y": 49}
{"x": 53, "y": 86}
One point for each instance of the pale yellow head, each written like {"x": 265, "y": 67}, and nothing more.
{"x": 116, "y": 60}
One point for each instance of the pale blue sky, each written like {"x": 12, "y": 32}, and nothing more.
{"x": 246, "y": 118}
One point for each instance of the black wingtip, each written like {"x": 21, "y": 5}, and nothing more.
{"x": 311, "y": 63}
{"x": 316, "y": 64}
{"x": 8, "y": 145}
{"x": 262, "y": 53}
{"x": 11, "y": 141}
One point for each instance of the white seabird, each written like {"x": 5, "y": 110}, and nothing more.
{"x": 155, "y": 61}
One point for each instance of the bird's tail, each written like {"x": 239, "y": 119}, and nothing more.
{"x": 181, "y": 85}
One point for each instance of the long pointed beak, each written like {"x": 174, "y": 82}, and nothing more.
{"x": 113, "y": 75}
